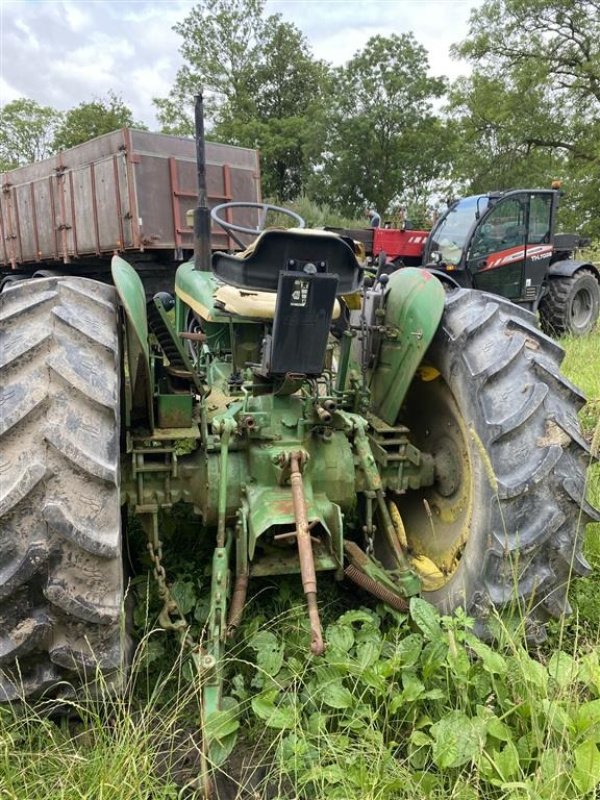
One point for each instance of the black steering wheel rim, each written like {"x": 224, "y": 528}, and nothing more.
{"x": 230, "y": 227}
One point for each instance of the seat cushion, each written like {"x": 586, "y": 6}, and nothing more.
{"x": 253, "y": 304}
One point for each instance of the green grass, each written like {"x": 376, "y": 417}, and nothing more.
{"x": 582, "y": 367}
{"x": 399, "y": 708}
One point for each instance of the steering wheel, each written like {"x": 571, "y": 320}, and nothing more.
{"x": 264, "y": 209}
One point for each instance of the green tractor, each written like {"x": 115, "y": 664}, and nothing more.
{"x": 431, "y": 446}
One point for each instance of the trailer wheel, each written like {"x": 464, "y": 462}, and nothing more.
{"x": 503, "y": 525}
{"x": 61, "y": 574}
{"x": 571, "y": 304}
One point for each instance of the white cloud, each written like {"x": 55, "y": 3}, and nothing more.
{"x": 77, "y": 16}
{"x": 64, "y": 52}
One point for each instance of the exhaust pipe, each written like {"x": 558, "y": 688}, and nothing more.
{"x": 202, "y": 252}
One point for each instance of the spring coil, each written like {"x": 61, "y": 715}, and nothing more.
{"x": 376, "y": 589}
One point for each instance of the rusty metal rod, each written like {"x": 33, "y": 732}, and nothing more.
{"x": 192, "y": 336}
{"x": 238, "y": 601}
{"x": 305, "y": 554}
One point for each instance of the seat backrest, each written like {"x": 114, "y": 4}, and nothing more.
{"x": 307, "y": 251}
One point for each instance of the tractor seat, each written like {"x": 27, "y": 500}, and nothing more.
{"x": 276, "y": 250}
{"x": 253, "y": 304}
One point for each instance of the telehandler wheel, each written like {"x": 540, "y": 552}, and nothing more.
{"x": 503, "y": 524}
{"x": 61, "y": 573}
{"x": 572, "y": 304}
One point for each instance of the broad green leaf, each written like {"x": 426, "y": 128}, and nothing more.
{"x": 269, "y": 653}
{"x": 409, "y": 649}
{"x": 433, "y": 657}
{"x": 262, "y": 640}
{"x": 586, "y": 772}
{"x": 419, "y": 749}
{"x": 589, "y": 671}
{"x": 358, "y": 615}
{"x": 413, "y": 687}
{"x": 558, "y": 718}
{"x": 363, "y": 714}
{"x": 457, "y": 739}
{"x": 507, "y": 761}
{"x": 421, "y": 739}
{"x": 317, "y": 722}
{"x": 335, "y": 695}
{"x": 426, "y": 617}
{"x": 221, "y": 723}
{"x": 563, "y": 669}
{"x": 371, "y": 678}
{"x": 458, "y": 661}
{"x": 340, "y": 636}
{"x": 492, "y": 662}
{"x": 367, "y": 653}
{"x": 428, "y": 783}
{"x": 396, "y": 702}
{"x": 532, "y": 671}
{"x": 368, "y": 633}
{"x": 279, "y": 717}
{"x": 330, "y": 673}
{"x": 263, "y": 704}
{"x": 434, "y": 694}
{"x": 587, "y": 718}
{"x": 552, "y": 770}
{"x": 331, "y": 774}
{"x": 184, "y": 592}
{"x": 498, "y": 729}
{"x": 220, "y": 730}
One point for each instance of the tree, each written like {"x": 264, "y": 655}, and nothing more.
{"x": 287, "y": 95}
{"x": 531, "y": 110}
{"x": 381, "y": 107}
{"x": 88, "y": 120}
{"x": 261, "y": 84}
{"x": 26, "y": 132}
{"x": 220, "y": 46}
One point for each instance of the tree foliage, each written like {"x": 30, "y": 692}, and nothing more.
{"x": 261, "y": 85}
{"x": 26, "y": 132}
{"x": 382, "y": 125}
{"x": 287, "y": 100}
{"x": 221, "y": 42}
{"x": 531, "y": 110}
{"x": 88, "y": 120}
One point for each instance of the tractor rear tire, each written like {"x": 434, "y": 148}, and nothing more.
{"x": 505, "y": 520}
{"x": 61, "y": 571}
{"x": 572, "y": 304}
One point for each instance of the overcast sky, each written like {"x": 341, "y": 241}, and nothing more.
{"x": 64, "y": 52}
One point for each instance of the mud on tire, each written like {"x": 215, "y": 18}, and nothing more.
{"x": 523, "y": 513}
{"x": 61, "y": 576}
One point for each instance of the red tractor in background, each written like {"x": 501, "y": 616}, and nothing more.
{"x": 504, "y": 243}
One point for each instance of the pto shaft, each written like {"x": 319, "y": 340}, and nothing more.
{"x": 305, "y": 554}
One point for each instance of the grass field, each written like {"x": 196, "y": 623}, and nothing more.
{"x": 399, "y": 708}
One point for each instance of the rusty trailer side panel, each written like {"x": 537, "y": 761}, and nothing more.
{"x": 125, "y": 191}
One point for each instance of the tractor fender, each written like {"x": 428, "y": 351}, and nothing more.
{"x": 568, "y": 268}
{"x": 414, "y": 304}
{"x": 133, "y": 299}
{"x": 446, "y": 279}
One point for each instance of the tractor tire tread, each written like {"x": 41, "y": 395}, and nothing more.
{"x": 61, "y": 575}
{"x": 554, "y": 306}
{"x": 533, "y": 449}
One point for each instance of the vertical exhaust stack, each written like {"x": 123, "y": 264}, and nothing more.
{"x": 202, "y": 251}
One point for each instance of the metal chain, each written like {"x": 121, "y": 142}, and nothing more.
{"x": 170, "y": 607}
